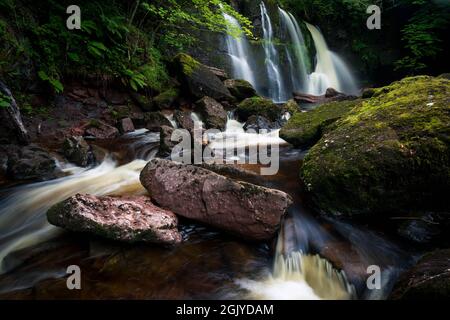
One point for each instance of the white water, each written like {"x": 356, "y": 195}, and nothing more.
{"x": 238, "y": 50}
{"x": 297, "y": 276}
{"x": 298, "y": 70}
{"x": 23, "y": 221}
{"x": 277, "y": 91}
{"x": 291, "y": 73}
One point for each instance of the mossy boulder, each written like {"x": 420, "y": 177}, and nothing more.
{"x": 240, "y": 89}
{"x": 389, "y": 155}
{"x": 304, "y": 129}
{"x": 258, "y": 106}
{"x": 198, "y": 80}
{"x": 166, "y": 99}
{"x": 291, "y": 106}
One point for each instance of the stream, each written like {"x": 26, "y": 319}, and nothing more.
{"x": 304, "y": 263}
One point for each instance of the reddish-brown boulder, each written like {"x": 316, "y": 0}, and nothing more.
{"x": 127, "y": 219}
{"x": 244, "y": 209}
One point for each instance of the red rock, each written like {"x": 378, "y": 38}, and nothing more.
{"x": 126, "y": 125}
{"x": 127, "y": 219}
{"x": 244, "y": 209}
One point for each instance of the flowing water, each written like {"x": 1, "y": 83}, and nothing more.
{"x": 277, "y": 91}
{"x": 286, "y": 60}
{"x": 208, "y": 264}
{"x": 238, "y": 50}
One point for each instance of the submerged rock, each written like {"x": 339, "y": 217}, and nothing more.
{"x": 304, "y": 129}
{"x": 213, "y": 113}
{"x": 78, "y": 151}
{"x": 127, "y": 219}
{"x": 240, "y": 89}
{"x": 247, "y": 210}
{"x": 198, "y": 80}
{"x": 389, "y": 155}
{"x": 257, "y": 106}
{"x": 429, "y": 279}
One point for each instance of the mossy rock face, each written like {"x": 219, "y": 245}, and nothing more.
{"x": 198, "y": 80}
{"x": 258, "y": 106}
{"x": 292, "y": 107}
{"x": 166, "y": 99}
{"x": 389, "y": 155}
{"x": 305, "y": 128}
{"x": 240, "y": 89}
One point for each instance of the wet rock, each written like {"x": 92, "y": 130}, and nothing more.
{"x": 304, "y": 129}
{"x": 230, "y": 171}
{"x": 220, "y": 73}
{"x": 12, "y": 128}
{"x": 240, "y": 89}
{"x": 166, "y": 144}
{"x": 244, "y": 209}
{"x": 330, "y": 95}
{"x": 430, "y": 228}
{"x": 114, "y": 97}
{"x": 32, "y": 163}
{"x": 199, "y": 81}
{"x": 258, "y": 106}
{"x": 166, "y": 99}
{"x": 96, "y": 129}
{"x": 78, "y": 151}
{"x": 143, "y": 101}
{"x": 429, "y": 279}
{"x": 258, "y": 123}
{"x": 213, "y": 113}
{"x": 155, "y": 120}
{"x": 126, "y": 125}
{"x": 292, "y": 107}
{"x": 184, "y": 120}
{"x": 389, "y": 155}
{"x": 126, "y": 219}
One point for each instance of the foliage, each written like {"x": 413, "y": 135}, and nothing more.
{"x": 123, "y": 39}
{"x": 423, "y": 35}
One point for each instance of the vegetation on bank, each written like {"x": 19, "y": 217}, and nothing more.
{"x": 126, "y": 40}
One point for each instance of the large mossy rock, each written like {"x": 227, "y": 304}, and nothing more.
{"x": 240, "y": 89}
{"x": 304, "y": 129}
{"x": 390, "y": 154}
{"x": 258, "y": 106}
{"x": 428, "y": 279}
{"x": 198, "y": 80}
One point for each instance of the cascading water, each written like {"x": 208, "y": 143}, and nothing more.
{"x": 297, "y": 64}
{"x": 238, "y": 50}
{"x": 330, "y": 70}
{"x": 277, "y": 91}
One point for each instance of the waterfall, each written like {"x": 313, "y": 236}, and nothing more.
{"x": 298, "y": 70}
{"x": 276, "y": 88}
{"x": 289, "y": 71}
{"x": 298, "y": 276}
{"x": 238, "y": 50}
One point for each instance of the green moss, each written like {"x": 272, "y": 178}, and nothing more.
{"x": 188, "y": 64}
{"x": 258, "y": 106}
{"x": 389, "y": 154}
{"x": 166, "y": 98}
{"x": 305, "y": 128}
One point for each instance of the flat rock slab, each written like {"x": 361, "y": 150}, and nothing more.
{"x": 126, "y": 219}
